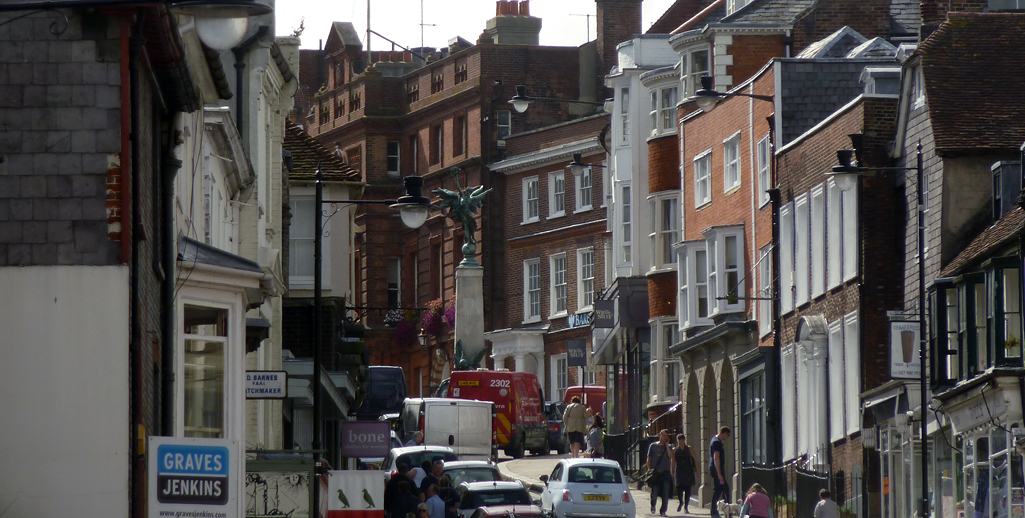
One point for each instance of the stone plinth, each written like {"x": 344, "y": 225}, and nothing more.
{"x": 470, "y": 308}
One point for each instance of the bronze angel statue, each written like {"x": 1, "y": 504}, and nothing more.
{"x": 462, "y": 206}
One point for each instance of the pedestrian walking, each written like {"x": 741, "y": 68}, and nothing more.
{"x": 757, "y": 503}
{"x": 574, "y": 420}
{"x": 660, "y": 463}
{"x": 685, "y": 471}
{"x": 826, "y": 508}
{"x": 716, "y": 465}
{"x": 595, "y": 434}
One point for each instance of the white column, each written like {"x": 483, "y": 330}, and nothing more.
{"x": 521, "y": 362}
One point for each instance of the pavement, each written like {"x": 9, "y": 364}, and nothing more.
{"x": 530, "y": 468}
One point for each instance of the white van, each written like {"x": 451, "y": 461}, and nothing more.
{"x": 461, "y": 424}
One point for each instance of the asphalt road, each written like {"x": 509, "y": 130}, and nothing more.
{"x": 530, "y": 468}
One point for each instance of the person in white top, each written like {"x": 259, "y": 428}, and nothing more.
{"x": 826, "y": 508}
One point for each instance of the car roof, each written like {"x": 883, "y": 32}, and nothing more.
{"x": 588, "y": 462}
{"x": 503, "y": 485}
{"x": 462, "y": 464}
{"x": 415, "y": 449}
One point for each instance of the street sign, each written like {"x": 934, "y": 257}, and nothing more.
{"x": 576, "y": 352}
{"x": 266, "y": 384}
{"x": 192, "y": 477}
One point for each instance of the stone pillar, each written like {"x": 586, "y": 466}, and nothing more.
{"x": 521, "y": 362}
{"x": 470, "y": 308}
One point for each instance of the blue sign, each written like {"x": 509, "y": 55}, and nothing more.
{"x": 193, "y": 474}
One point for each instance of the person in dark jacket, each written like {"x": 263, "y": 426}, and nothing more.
{"x": 391, "y": 490}
{"x": 685, "y": 471}
{"x": 406, "y": 502}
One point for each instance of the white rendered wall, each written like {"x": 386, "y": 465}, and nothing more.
{"x": 64, "y": 414}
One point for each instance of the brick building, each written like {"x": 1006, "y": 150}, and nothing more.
{"x": 555, "y": 228}
{"x": 444, "y": 118}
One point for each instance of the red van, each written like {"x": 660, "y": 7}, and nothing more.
{"x": 520, "y": 421}
{"x": 595, "y": 397}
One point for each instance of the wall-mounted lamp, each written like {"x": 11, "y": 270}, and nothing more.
{"x": 869, "y": 437}
{"x": 521, "y": 101}
{"x": 422, "y": 337}
{"x": 707, "y": 98}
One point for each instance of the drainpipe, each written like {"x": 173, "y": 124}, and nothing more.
{"x": 170, "y": 164}
{"x": 135, "y": 47}
{"x": 240, "y": 64}
{"x": 777, "y": 323}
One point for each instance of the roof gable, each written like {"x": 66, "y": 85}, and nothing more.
{"x": 342, "y": 35}
{"x": 308, "y": 154}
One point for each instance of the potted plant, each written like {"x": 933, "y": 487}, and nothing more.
{"x": 433, "y": 317}
{"x": 450, "y": 312}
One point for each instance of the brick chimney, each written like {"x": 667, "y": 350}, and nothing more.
{"x": 618, "y": 21}
{"x": 513, "y": 24}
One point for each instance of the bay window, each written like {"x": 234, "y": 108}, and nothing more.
{"x": 694, "y": 64}
{"x": 725, "y": 268}
{"x": 205, "y": 336}
{"x": 663, "y": 229}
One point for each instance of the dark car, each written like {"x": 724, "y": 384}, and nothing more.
{"x": 556, "y": 435}
{"x": 482, "y": 494}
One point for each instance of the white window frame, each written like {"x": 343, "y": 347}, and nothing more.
{"x": 802, "y": 248}
{"x": 683, "y": 293}
{"x": 531, "y": 289}
{"x": 560, "y": 375}
{"x": 624, "y": 115}
{"x": 666, "y": 334}
{"x": 733, "y": 6}
{"x": 850, "y": 233}
{"x": 558, "y": 281}
{"x": 503, "y": 124}
{"x": 703, "y": 178}
{"x": 917, "y": 88}
{"x": 694, "y": 279}
{"x": 531, "y": 200}
{"x": 303, "y": 254}
{"x": 786, "y": 257}
{"x": 852, "y": 362}
{"x": 764, "y": 170}
{"x": 584, "y": 183}
{"x": 765, "y": 290}
{"x": 626, "y": 224}
{"x": 395, "y": 274}
{"x": 834, "y": 235}
{"x": 663, "y": 110}
{"x": 724, "y": 271}
{"x": 585, "y": 279}
{"x": 556, "y": 194}
{"x": 789, "y": 400}
{"x": 731, "y": 162}
{"x": 395, "y": 154}
{"x": 818, "y": 240}
{"x": 664, "y": 229}
{"x": 690, "y": 75}
{"x": 837, "y": 398}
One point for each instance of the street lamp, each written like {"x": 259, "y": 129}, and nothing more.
{"x": 521, "y": 101}
{"x": 413, "y": 208}
{"x": 707, "y": 97}
{"x": 846, "y": 175}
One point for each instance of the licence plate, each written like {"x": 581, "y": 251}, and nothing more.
{"x": 596, "y": 498}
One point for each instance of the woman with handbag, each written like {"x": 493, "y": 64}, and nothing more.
{"x": 756, "y": 503}
{"x": 685, "y": 471}
{"x": 661, "y": 465}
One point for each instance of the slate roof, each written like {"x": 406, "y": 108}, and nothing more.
{"x": 193, "y": 251}
{"x": 905, "y": 16}
{"x": 307, "y": 153}
{"x": 978, "y": 57}
{"x": 771, "y": 12}
{"x": 989, "y": 241}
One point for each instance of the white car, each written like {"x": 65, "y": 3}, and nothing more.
{"x": 496, "y": 492}
{"x": 587, "y": 487}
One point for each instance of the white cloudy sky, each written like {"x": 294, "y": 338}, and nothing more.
{"x": 562, "y": 21}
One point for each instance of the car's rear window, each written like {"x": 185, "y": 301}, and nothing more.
{"x": 414, "y": 460}
{"x": 475, "y": 499}
{"x": 595, "y": 475}
{"x": 460, "y": 475}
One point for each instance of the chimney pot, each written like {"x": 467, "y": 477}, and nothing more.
{"x": 525, "y": 7}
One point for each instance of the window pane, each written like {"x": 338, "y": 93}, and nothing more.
{"x": 205, "y": 334}
{"x": 1012, "y": 313}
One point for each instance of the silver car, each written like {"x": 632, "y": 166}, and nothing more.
{"x": 587, "y": 487}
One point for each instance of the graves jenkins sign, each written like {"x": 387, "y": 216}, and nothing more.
{"x": 192, "y": 476}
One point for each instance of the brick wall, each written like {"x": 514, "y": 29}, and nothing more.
{"x": 662, "y": 291}
{"x": 871, "y": 18}
{"x": 664, "y": 163}
{"x": 617, "y": 21}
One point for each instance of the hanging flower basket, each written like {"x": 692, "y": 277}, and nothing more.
{"x": 433, "y": 317}
{"x": 450, "y": 312}
{"x": 404, "y": 332}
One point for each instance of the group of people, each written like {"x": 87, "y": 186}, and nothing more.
{"x": 581, "y": 423}
{"x": 671, "y": 466}
{"x": 678, "y": 465}
{"x": 421, "y": 492}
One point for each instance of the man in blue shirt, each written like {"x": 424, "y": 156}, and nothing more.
{"x": 716, "y": 463}
{"x": 435, "y": 505}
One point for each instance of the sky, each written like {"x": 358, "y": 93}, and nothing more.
{"x": 563, "y": 22}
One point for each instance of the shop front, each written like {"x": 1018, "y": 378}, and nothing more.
{"x": 979, "y": 473}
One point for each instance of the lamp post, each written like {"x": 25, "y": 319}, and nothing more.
{"x": 413, "y": 208}
{"x": 707, "y": 98}
{"x": 846, "y": 175}
{"x": 521, "y": 101}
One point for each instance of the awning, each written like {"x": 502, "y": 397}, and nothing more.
{"x": 884, "y": 404}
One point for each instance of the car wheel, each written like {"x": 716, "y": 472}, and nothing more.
{"x": 517, "y": 450}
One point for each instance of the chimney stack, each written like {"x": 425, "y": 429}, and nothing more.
{"x": 513, "y": 25}
{"x": 618, "y": 21}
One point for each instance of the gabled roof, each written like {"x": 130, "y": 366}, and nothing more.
{"x": 307, "y": 153}
{"x": 988, "y": 242}
{"x": 343, "y": 34}
{"x": 836, "y": 45}
{"x": 973, "y": 66}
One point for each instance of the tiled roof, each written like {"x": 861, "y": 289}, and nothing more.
{"x": 905, "y": 16}
{"x": 988, "y": 241}
{"x": 973, "y": 66}
{"x": 679, "y": 12}
{"x": 773, "y": 12}
{"x": 307, "y": 153}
